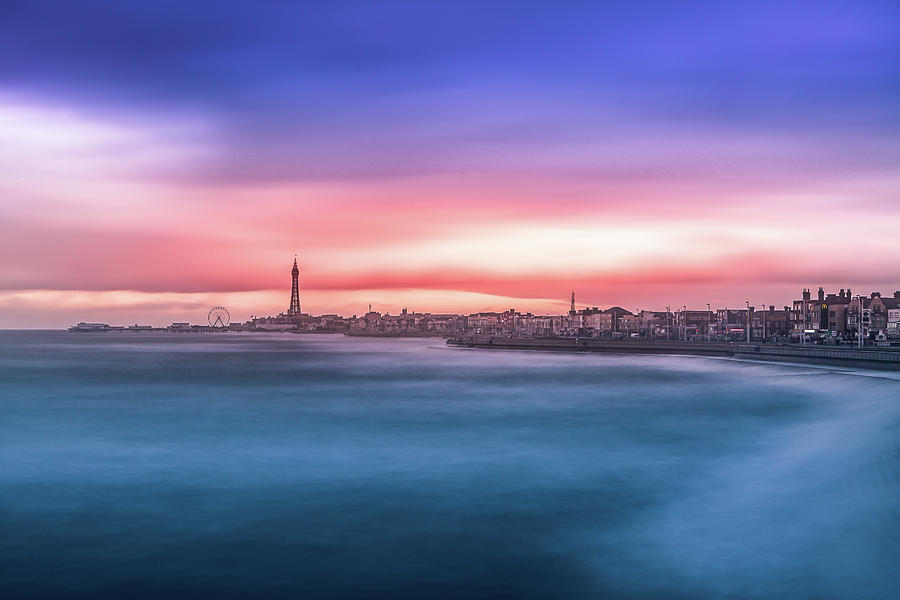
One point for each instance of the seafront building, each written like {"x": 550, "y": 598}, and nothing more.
{"x": 829, "y": 318}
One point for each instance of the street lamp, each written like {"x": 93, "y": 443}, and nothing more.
{"x": 763, "y": 318}
{"x": 805, "y": 318}
{"x": 668, "y": 320}
{"x": 859, "y": 320}
{"x": 708, "y": 322}
{"x": 748, "y": 321}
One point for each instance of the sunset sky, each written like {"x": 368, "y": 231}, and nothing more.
{"x": 160, "y": 158}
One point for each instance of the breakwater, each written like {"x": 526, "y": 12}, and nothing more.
{"x": 863, "y": 358}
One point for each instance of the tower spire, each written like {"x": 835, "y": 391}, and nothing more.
{"x": 294, "y": 308}
{"x": 572, "y": 307}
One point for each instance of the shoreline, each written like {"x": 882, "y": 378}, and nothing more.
{"x": 869, "y": 359}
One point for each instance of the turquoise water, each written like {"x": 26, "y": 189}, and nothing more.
{"x": 227, "y": 466}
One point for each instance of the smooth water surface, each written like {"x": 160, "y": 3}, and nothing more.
{"x": 307, "y": 466}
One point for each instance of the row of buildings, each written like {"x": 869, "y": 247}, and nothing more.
{"x": 872, "y": 316}
{"x": 827, "y": 318}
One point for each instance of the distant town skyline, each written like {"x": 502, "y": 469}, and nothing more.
{"x": 832, "y": 313}
{"x": 158, "y": 160}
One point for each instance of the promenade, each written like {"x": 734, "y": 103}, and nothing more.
{"x": 847, "y": 356}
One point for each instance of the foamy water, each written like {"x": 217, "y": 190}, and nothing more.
{"x": 151, "y": 466}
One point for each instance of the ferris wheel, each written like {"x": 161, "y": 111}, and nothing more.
{"x": 218, "y": 317}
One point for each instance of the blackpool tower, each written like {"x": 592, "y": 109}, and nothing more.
{"x": 295, "y": 291}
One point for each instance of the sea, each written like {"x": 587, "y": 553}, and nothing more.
{"x": 324, "y": 466}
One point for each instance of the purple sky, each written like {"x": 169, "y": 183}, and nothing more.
{"x": 162, "y": 157}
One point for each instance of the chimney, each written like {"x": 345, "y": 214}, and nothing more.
{"x": 897, "y": 294}
{"x": 876, "y": 294}
{"x": 842, "y": 293}
{"x": 849, "y": 295}
{"x": 806, "y": 295}
{"x": 821, "y": 294}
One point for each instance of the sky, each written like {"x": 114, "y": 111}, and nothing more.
{"x": 160, "y": 158}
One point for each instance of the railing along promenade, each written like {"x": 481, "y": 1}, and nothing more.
{"x": 866, "y": 358}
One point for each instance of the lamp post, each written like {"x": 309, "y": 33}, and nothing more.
{"x": 668, "y": 320}
{"x": 807, "y": 320}
{"x": 859, "y": 320}
{"x": 748, "y": 321}
{"x": 708, "y": 322}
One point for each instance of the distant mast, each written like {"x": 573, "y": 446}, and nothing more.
{"x": 295, "y": 290}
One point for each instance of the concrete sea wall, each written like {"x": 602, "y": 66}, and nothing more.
{"x": 877, "y": 359}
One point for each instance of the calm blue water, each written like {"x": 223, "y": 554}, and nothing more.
{"x": 288, "y": 466}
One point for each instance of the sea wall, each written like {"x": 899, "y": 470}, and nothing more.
{"x": 879, "y": 359}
